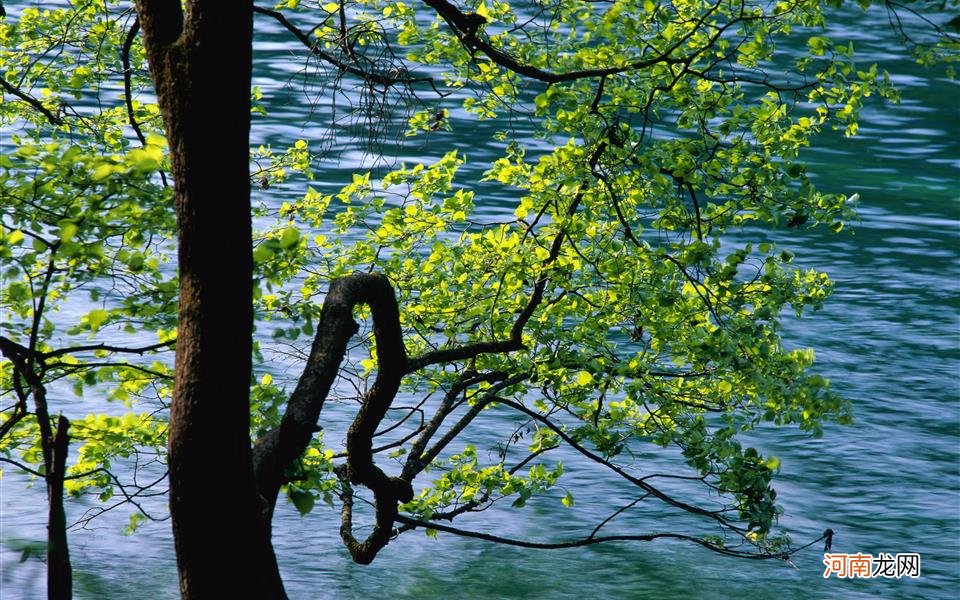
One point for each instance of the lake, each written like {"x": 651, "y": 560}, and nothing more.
{"x": 889, "y": 339}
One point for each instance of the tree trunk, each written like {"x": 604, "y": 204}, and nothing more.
{"x": 201, "y": 61}
{"x": 59, "y": 574}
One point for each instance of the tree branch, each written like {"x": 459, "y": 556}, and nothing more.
{"x": 278, "y": 449}
{"x": 333, "y": 60}
{"x": 465, "y": 352}
{"x": 463, "y": 25}
{"x": 41, "y": 303}
{"x": 59, "y": 574}
{"x": 420, "y": 459}
{"x": 127, "y": 79}
{"x": 107, "y": 348}
{"x": 22, "y": 466}
{"x": 638, "y": 481}
{"x": 589, "y": 541}
{"x": 415, "y": 462}
{"x": 54, "y": 119}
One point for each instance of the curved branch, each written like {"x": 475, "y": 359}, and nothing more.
{"x": 465, "y": 26}
{"x": 18, "y": 354}
{"x": 54, "y": 119}
{"x": 22, "y": 466}
{"x": 128, "y": 91}
{"x": 377, "y": 292}
{"x": 127, "y": 79}
{"x": 279, "y": 448}
{"x": 19, "y": 412}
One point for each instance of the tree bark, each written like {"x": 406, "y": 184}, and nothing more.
{"x": 59, "y": 575}
{"x": 54, "y": 445}
{"x": 201, "y": 60}
{"x": 279, "y": 448}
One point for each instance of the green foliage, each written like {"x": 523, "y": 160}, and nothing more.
{"x": 86, "y": 235}
{"x": 641, "y": 240}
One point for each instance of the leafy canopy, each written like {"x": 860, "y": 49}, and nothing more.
{"x": 652, "y": 154}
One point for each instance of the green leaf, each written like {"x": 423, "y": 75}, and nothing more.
{"x": 68, "y": 229}
{"x": 96, "y": 318}
{"x": 14, "y": 238}
{"x": 263, "y": 253}
{"x": 102, "y": 172}
{"x": 133, "y": 523}
{"x": 302, "y": 500}
{"x": 289, "y": 237}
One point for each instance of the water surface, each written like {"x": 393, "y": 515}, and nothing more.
{"x": 889, "y": 339}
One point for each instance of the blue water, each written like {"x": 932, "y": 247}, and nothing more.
{"x": 889, "y": 340}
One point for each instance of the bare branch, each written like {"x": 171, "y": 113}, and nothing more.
{"x": 638, "y": 481}
{"x": 589, "y": 541}
{"x": 108, "y": 348}
{"x": 38, "y": 310}
{"x": 127, "y": 79}
{"x": 414, "y": 464}
{"x": 304, "y": 39}
{"x": 21, "y": 466}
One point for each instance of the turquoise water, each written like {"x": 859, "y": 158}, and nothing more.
{"x": 889, "y": 339}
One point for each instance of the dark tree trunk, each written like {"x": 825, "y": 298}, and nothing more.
{"x": 200, "y": 60}
{"x": 59, "y": 575}
{"x": 54, "y": 445}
